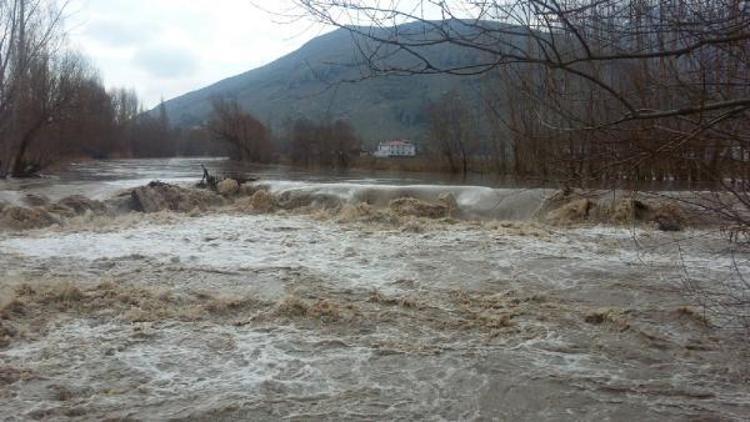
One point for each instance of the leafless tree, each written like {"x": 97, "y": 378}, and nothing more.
{"x": 55, "y": 96}
{"x": 608, "y": 88}
{"x": 606, "y": 92}
{"x": 323, "y": 144}
{"x": 53, "y": 104}
{"x": 38, "y": 78}
{"x": 451, "y": 134}
{"x": 249, "y": 137}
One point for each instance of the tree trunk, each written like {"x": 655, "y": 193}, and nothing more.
{"x": 18, "y": 163}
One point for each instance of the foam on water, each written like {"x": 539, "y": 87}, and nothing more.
{"x": 204, "y": 364}
{"x": 421, "y": 351}
{"x": 363, "y": 258}
{"x": 175, "y": 369}
{"x": 474, "y": 202}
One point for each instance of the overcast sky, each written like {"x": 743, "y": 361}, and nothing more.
{"x": 170, "y": 47}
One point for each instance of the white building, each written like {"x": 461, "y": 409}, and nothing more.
{"x": 396, "y": 148}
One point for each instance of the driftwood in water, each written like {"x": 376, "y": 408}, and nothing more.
{"x": 212, "y": 182}
{"x": 241, "y": 178}
{"x": 208, "y": 180}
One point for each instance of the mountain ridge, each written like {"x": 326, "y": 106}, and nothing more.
{"x": 312, "y": 82}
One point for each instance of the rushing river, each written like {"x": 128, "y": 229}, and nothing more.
{"x": 229, "y": 314}
{"x": 99, "y": 179}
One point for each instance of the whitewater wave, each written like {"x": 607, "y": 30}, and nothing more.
{"x": 363, "y": 203}
{"x": 472, "y": 202}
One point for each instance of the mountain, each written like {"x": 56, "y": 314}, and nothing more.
{"x": 308, "y": 83}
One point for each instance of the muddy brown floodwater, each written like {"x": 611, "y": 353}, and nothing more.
{"x": 324, "y": 311}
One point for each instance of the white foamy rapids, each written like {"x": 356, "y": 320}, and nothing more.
{"x": 474, "y": 202}
{"x": 13, "y": 192}
{"x": 558, "y": 367}
{"x": 216, "y": 368}
{"x": 12, "y": 197}
{"x": 344, "y": 256}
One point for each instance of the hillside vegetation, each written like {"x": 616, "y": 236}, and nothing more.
{"x": 313, "y": 82}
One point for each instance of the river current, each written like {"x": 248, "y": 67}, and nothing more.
{"x": 312, "y": 314}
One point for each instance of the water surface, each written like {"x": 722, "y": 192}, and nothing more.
{"x": 235, "y": 314}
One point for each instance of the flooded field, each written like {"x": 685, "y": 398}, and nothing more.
{"x": 335, "y": 299}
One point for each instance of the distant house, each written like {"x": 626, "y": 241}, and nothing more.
{"x": 396, "y": 148}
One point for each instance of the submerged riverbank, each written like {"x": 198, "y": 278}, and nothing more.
{"x": 337, "y": 301}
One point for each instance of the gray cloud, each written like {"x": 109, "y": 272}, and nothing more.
{"x": 167, "y": 62}
{"x": 169, "y": 47}
{"x": 120, "y": 33}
